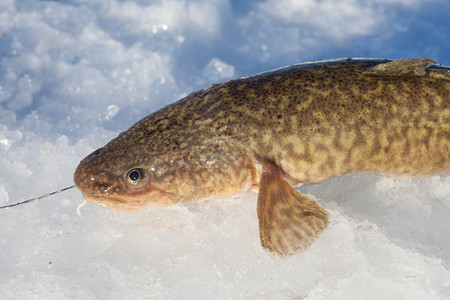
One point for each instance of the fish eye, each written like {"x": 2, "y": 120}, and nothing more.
{"x": 137, "y": 178}
{"x": 134, "y": 175}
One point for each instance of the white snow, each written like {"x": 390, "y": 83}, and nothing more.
{"x": 74, "y": 74}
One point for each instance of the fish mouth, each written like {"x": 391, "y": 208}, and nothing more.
{"x": 121, "y": 203}
{"x": 127, "y": 201}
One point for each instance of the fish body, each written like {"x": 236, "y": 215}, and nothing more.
{"x": 300, "y": 124}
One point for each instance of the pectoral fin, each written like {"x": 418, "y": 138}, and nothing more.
{"x": 289, "y": 221}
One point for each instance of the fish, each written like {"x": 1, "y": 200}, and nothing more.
{"x": 272, "y": 131}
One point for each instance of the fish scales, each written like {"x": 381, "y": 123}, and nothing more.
{"x": 300, "y": 124}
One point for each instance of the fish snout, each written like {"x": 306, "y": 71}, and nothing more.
{"x": 92, "y": 181}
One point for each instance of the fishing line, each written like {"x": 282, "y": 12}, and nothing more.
{"x": 37, "y": 198}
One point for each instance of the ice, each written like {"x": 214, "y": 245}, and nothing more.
{"x": 74, "y": 74}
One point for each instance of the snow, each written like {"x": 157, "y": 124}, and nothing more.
{"x": 74, "y": 74}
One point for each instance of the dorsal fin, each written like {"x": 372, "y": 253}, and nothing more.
{"x": 439, "y": 71}
{"x": 408, "y": 66}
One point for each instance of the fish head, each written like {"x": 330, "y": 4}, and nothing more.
{"x": 165, "y": 158}
{"x": 123, "y": 180}
{"x": 119, "y": 181}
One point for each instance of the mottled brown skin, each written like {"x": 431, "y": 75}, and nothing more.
{"x": 301, "y": 124}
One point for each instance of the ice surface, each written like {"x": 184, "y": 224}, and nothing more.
{"x": 74, "y": 74}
